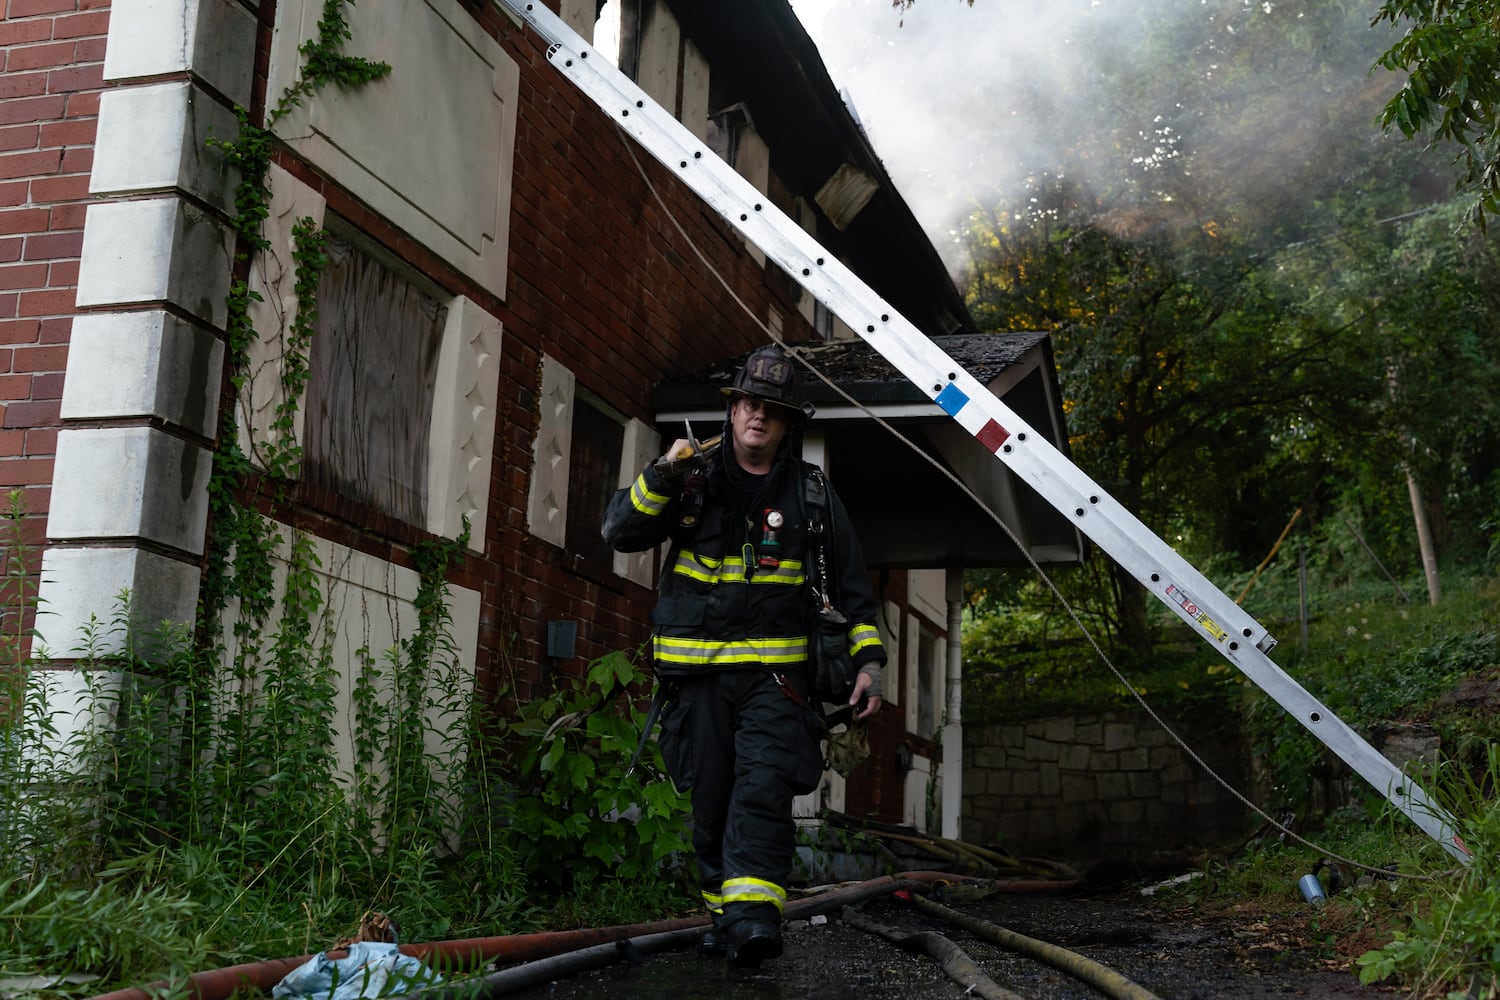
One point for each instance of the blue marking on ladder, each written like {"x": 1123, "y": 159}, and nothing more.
{"x": 952, "y": 399}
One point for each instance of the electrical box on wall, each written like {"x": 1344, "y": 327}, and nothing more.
{"x": 562, "y": 637}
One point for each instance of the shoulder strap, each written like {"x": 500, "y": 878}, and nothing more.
{"x": 819, "y": 524}
{"x": 816, "y": 494}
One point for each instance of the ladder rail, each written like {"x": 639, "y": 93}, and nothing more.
{"x": 1202, "y": 606}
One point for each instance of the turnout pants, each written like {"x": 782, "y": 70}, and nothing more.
{"x": 744, "y": 748}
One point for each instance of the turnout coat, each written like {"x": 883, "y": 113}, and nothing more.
{"x": 734, "y": 589}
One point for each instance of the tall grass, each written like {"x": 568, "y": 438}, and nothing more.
{"x": 166, "y": 808}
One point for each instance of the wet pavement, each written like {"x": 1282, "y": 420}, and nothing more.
{"x": 1174, "y": 957}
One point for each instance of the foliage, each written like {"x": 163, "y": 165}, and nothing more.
{"x": 1254, "y": 322}
{"x": 173, "y": 801}
{"x": 1451, "y": 52}
{"x": 1451, "y": 936}
{"x": 1373, "y": 663}
{"x": 576, "y": 793}
{"x": 109, "y": 929}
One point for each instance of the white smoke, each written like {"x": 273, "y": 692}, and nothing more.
{"x": 964, "y": 103}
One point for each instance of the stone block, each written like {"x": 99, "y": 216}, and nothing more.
{"x": 988, "y": 757}
{"x": 1111, "y": 786}
{"x": 1179, "y": 774}
{"x": 1144, "y": 784}
{"x": 156, "y": 250}
{"x": 1078, "y": 788}
{"x": 1134, "y": 759}
{"x": 212, "y": 39}
{"x": 1039, "y": 750}
{"x": 1025, "y": 783}
{"x": 1165, "y": 756}
{"x": 143, "y": 364}
{"x": 83, "y": 584}
{"x": 130, "y": 482}
{"x": 454, "y": 88}
{"x": 1073, "y": 758}
{"x": 1119, "y": 735}
{"x": 1059, "y": 730}
{"x": 156, "y": 138}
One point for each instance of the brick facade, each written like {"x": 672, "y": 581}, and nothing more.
{"x": 53, "y": 52}
{"x": 598, "y": 278}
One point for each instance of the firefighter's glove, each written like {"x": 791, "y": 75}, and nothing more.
{"x": 685, "y": 457}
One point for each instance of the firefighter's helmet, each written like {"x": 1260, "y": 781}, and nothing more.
{"x": 770, "y": 375}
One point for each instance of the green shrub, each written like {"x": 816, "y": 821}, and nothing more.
{"x": 574, "y": 789}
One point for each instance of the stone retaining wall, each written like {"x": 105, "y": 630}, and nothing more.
{"x": 1115, "y": 782}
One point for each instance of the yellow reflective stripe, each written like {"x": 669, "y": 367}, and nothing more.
{"x": 709, "y": 570}
{"x": 646, "y": 500}
{"x": 713, "y": 901}
{"x": 863, "y": 637}
{"x": 790, "y": 571}
{"x": 732, "y": 570}
{"x": 753, "y": 890}
{"x": 718, "y": 652}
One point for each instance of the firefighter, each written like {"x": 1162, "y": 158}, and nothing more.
{"x": 730, "y": 643}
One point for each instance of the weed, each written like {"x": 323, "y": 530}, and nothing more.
{"x": 576, "y": 794}
{"x": 1452, "y": 930}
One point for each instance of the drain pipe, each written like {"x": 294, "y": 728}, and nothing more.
{"x": 952, "y": 772}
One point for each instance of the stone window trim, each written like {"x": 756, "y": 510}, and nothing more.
{"x": 547, "y": 497}
{"x": 465, "y": 397}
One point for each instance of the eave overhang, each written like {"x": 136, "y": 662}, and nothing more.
{"x": 921, "y": 491}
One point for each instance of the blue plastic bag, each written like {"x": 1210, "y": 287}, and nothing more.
{"x": 372, "y": 969}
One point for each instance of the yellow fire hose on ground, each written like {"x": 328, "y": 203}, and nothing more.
{"x": 1100, "y": 977}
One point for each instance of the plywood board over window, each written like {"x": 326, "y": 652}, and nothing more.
{"x": 374, "y": 369}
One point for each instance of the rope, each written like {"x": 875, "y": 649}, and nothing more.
{"x": 806, "y": 356}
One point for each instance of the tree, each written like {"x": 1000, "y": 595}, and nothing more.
{"x": 1451, "y": 51}
{"x": 1181, "y": 363}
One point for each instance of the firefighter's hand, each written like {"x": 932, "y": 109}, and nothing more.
{"x": 687, "y": 456}
{"x": 673, "y": 465}
{"x": 871, "y": 702}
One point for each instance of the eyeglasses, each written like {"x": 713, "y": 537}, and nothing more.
{"x": 754, "y": 404}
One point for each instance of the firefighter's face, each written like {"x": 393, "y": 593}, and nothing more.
{"x": 758, "y": 428}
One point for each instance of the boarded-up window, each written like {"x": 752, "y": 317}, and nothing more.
{"x": 369, "y": 401}
{"x": 593, "y": 475}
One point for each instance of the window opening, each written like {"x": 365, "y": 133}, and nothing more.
{"x": 593, "y": 477}
{"x": 926, "y": 701}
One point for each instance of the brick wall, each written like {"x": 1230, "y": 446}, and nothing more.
{"x": 53, "y": 52}
{"x": 601, "y": 280}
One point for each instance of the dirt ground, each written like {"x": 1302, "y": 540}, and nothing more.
{"x": 1171, "y": 952}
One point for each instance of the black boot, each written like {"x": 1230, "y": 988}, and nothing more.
{"x": 713, "y": 943}
{"x": 753, "y": 941}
